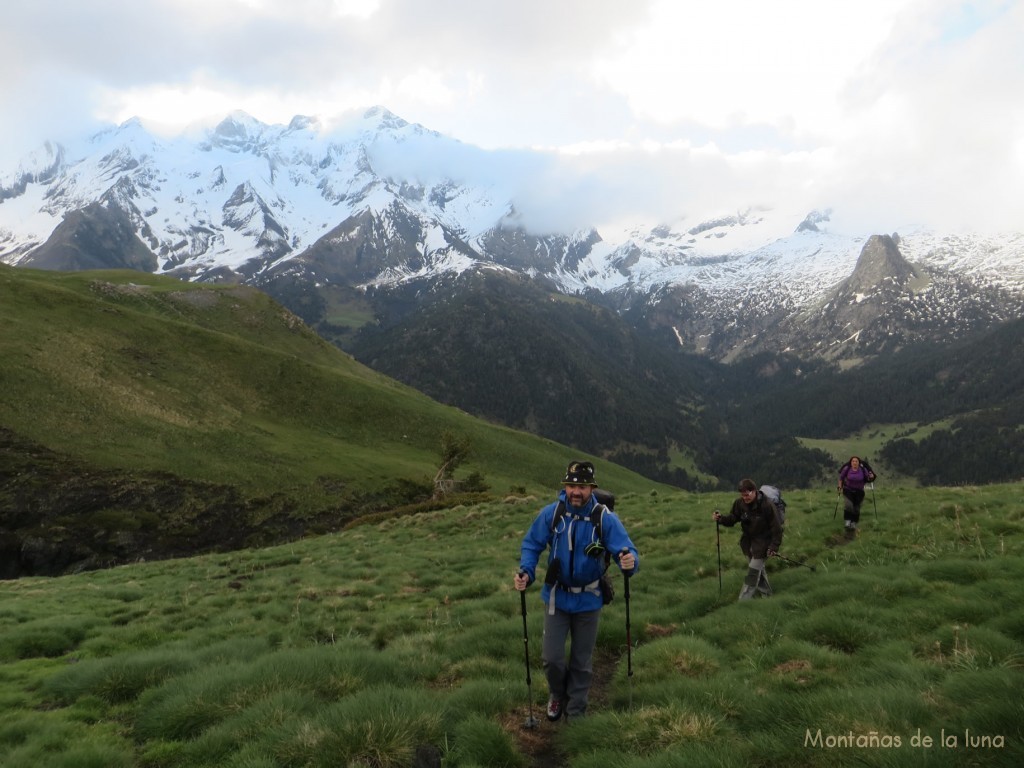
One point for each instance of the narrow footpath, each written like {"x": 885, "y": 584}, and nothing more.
{"x": 540, "y": 744}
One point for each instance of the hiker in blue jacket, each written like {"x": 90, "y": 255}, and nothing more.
{"x": 853, "y": 476}
{"x": 572, "y": 591}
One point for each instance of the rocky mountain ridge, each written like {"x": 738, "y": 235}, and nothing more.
{"x": 359, "y": 209}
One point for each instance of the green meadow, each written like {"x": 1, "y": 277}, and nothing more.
{"x": 219, "y": 384}
{"x": 141, "y": 416}
{"x": 401, "y": 643}
{"x": 868, "y": 443}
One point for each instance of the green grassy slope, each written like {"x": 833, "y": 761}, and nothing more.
{"x": 402, "y": 641}
{"x": 118, "y": 386}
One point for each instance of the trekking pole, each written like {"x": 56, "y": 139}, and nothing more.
{"x": 795, "y": 562}
{"x": 875, "y": 506}
{"x": 839, "y": 497}
{"x": 629, "y": 637}
{"x": 531, "y": 721}
{"x": 718, "y": 546}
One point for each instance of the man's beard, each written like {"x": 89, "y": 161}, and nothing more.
{"x": 576, "y": 499}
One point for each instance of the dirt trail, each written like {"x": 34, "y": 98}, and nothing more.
{"x": 839, "y": 539}
{"x": 540, "y": 744}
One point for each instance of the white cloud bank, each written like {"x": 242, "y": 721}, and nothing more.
{"x": 891, "y": 112}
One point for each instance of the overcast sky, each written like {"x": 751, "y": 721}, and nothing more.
{"x": 892, "y": 112}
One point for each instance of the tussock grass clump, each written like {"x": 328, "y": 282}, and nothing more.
{"x": 188, "y": 704}
{"x": 799, "y": 665}
{"x": 839, "y": 630}
{"x": 479, "y": 741}
{"x": 383, "y": 727}
{"x": 45, "y": 637}
{"x": 636, "y": 737}
{"x": 685, "y": 656}
{"x": 488, "y": 696}
{"x": 955, "y": 571}
{"x": 15, "y": 729}
{"x": 968, "y": 647}
{"x": 118, "y": 679}
{"x": 45, "y": 740}
{"x": 248, "y": 733}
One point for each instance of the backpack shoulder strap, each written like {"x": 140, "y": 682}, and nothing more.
{"x": 596, "y": 518}
{"x": 559, "y": 513}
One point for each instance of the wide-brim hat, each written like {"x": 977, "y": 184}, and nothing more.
{"x": 579, "y": 473}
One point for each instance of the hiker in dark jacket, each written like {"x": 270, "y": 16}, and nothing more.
{"x": 571, "y": 593}
{"x": 762, "y": 535}
{"x": 853, "y": 476}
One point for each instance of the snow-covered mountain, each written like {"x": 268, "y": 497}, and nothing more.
{"x": 381, "y": 203}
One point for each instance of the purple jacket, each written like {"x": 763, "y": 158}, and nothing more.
{"x": 855, "y": 479}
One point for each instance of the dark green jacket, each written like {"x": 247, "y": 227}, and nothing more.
{"x": 762, "y": 526}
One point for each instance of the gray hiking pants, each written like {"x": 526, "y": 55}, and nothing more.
{"x": 756, "y": 580}
{"x": 569, "y": 678}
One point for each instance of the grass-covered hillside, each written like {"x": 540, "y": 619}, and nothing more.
{"x": 143, "y": 417}
{"x": 400, "y": 643}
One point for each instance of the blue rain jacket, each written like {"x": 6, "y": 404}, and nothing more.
{"x": 567, "y": 543}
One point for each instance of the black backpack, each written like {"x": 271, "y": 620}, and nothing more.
{"x": 774, "y": 495}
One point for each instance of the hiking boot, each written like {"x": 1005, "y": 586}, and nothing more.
{"x": 554, "y": 709}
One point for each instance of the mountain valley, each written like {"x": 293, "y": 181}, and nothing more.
{"x": 651, "y": 346}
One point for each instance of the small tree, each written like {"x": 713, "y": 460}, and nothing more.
{"x": 454, "y": 451}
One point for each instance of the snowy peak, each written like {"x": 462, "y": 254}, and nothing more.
{"x": 888, "y": 303}
{"x": 384, "y": 119}
{"x": 303, "y": 123}
{"x": 249, "y": 214}
{"x": 237, "y": 133}
{"x": 814, "y": 221}
{"x": 39, "y": 167}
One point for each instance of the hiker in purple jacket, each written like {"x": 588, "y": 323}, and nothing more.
{"x": 853, "y": 476}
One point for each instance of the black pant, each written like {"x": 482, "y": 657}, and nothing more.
{"x": 851, "y": 504}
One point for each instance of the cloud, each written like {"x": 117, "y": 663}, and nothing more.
{"x": 735, "y": 62}
{"x": 935, "y": 124}
{"x": 890, "y": 110}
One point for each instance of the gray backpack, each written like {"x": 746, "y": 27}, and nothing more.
{"x": 774, "y": 495}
